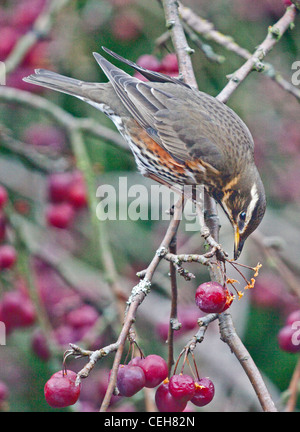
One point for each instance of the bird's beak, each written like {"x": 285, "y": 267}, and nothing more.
{"x": 238, "y": 243}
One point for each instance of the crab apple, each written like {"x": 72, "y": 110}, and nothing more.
{"x": 204, "y": 392}
{"x": 130, "y": 380}
{"x": 58, "y": 186}
{"x": 8, "y": 256}
{"x": 26, "y": 12}
{"x": 155, "y": 369}
{"x": 78, "y": 195}
{"x": 83, "y": 316}
{"x": 289, "y": 338}
{"x": 3, "y": 196}
{"x": 127, "y": 25}
{"x": 42, "y": 135}
{"x": 293, "y": 317}
{"x": 148, "y": 61}
{"x": 2, "y": 226}
{"x": 169, "y": 63}
{"x": 39, "y": 345}
{"x": 60, "y": 215}
{"x": 61, "y": 389}
{"x": 165, "y": 402}
{"x": 211, "y": 297}
{"x": 15, "y": 79}
{"x": 182, "y": 387}
{"x": 9, "y": 37}
{"x": 3, "y": 392}
{"x": 135, "y": 361}
{"x": 17, "y": 310}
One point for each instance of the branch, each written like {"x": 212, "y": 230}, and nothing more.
{"x": 275, "y": 32}
{"x": 207, "y": 30}
{"x": 59, "y": 115}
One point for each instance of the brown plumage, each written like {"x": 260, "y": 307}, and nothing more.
{"x": 178, "y": 135}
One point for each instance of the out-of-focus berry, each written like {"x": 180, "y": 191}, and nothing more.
{"x": 61, "y": 390}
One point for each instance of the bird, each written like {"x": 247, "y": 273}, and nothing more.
{"x": 178, "y": 136}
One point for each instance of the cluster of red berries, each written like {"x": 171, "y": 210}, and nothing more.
{"x": 67, "y": 194}
{"x": 71, "y": 318}
{"x": 168, "y": 65}
{"x": 212, "y": 297}
{"x": 15, "y": 22}
{"x": 8, "y": 254}
{"x": 141, "y": 372}
{"x": 174, "y": 394}
{"x": 289, "y": 335}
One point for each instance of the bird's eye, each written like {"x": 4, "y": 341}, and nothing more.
{"x": 242, "y": 215}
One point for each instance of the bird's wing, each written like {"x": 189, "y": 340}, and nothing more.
{"x": 186, "y": 123}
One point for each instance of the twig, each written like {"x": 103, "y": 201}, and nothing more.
{"x": 207, "y": 30}
{"x": 275, "y": 32}
{"x": 173, "y": 311}
{"x": 179, "y": 41}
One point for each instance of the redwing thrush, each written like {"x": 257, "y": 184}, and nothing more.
{"x": 178, "y": 135}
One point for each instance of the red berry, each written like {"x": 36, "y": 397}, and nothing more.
{"x": 59, "y": 186}
{"x": 39, "y": 345}
{"x": 293, "y": 317}
{"x": 42, "y": 135}
{"x": 38, "y": 55}
{"x": 150, "y": 62}
{"x": 169, "y": 63}
{"x": 26, "y": 12}
{"x": 60, "y": 215}
{"x": 127, "y": 25}
{"x": 3, "y": 196}
{"x": 211, "y": 297}
{"x": 8, "y": 256}
{"x": 17, "y": 310}
{"x": 2, "y": 226}
{"x": 3, "y": 392}
{"x": 289, "y": 338}
{"x": 287, "y": 2}
{"x": 130, "y": 380}
{"x": 60, "y": 390}
{"x": 204, "y": 392}
{"x": 136, "y": 361}
{"x": 165, "y": 402}
{"x": 78, "y": 195}
{"x": 182, "y": 387}
{"x": 84, "y": 316}
{"x": 9, "y": 37}
{"x": 155, "y": 369}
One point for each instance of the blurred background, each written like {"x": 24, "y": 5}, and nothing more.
{"x": 55, "y": 287}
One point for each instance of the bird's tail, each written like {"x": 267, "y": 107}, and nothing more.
{"x": 55, "y": 81}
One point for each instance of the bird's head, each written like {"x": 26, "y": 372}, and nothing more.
{"x": 244, "y": 205}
